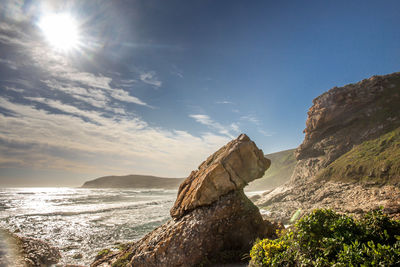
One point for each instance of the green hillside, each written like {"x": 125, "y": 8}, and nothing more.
{"x": 282, "y": 165}
{"x": 375, "y": 161}
{"x": 134, "y": 181}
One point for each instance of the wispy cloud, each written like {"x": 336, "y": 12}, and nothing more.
{"x": 82, "y": 118}
{"x": 9, "y": 63}
{"x": 265, "y": 133}
{"x": 126, "y": 142}
{"x": 221, "y": 129}
{"x": 224, "y": 102}
{"x": 125, "y": 97}
{"x": 176, "y": 71}
{"x": 14, "y": 89}
{"x": 68, "y": 117}
{"x": 150, "y": 77}
{"x": 251, "y": 118}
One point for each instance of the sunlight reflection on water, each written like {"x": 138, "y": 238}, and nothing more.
{"x": 83, "y": 220}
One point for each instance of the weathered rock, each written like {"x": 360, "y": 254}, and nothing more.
{"x": 214, "y": 220}
{"x": 231, "y": 168}
{"x": 346, "y": 116}
{"x": 338, "y": 120}
{"x": 24, "y": 251}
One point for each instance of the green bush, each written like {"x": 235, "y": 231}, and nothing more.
{"x": 325, "y": 238}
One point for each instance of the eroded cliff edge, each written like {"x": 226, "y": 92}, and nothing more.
{"x": 212, "y": 219}
{"x": 340, "y": 123}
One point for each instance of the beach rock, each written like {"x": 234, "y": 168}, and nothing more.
{"x": 24, "y": 251}
{"x": 231, "y": 168}
{"x": 213, "y": 220}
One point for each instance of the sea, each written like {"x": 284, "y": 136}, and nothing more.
{"x": 81, "y": 222}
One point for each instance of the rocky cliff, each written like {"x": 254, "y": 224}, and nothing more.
{"x": 212, "y": 219}
{"x": 344, "y": 117}
{"x": 340, "y": 120}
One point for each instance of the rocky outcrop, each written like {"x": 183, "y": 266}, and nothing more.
{"x": 339, "y": 120}
{"x": 344, "y": 117}
{"x": 26, "y": 252}
{"x": 213, "y": 220}
{"x": 230, "y": 168}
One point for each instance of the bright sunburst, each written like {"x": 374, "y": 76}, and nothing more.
{"x": 61, "y": 31}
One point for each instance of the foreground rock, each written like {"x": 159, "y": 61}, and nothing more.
{"x": 23, "y": 251}
{"x": 339, "y": 120}
{"x": 213, "y": 219}
{"x": 230, "y": 168}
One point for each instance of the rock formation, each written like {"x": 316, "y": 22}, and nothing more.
{"x": 339, "y": 120}
{"x": 213, "y": 220}
{"x": 344, "y": 117}
{"x": 230, "y": 168}
{"x": 26, "y": 252}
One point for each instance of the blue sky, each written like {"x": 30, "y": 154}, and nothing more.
{"x": 154, "y": 87}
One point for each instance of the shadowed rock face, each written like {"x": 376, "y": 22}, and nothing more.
{"x": 231, "y": 168}
{"x": 212, "y": 218}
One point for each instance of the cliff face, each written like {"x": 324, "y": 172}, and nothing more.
{"x": 344, "y": 117}
{"x": 344, "y": 125}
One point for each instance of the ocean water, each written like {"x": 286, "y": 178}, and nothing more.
{"x": 81, "y": 222}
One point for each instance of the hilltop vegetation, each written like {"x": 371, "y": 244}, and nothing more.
{"x": 375, "y": 161}
{"x": 282, "y": 165}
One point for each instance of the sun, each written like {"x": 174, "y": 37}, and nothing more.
{"x": 61, "y": 31}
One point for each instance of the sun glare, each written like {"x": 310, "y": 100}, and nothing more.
{"x": 60, "y": 30}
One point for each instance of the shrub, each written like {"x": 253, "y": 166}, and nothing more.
{"x": 325, "y": 238}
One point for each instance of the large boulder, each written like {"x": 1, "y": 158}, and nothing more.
{"x": 231, "y": 168}
{"x": 213, "y": 220}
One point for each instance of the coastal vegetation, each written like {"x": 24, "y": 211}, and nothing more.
{"x": 373, "y": 161}
{"x": 326, "y": 238}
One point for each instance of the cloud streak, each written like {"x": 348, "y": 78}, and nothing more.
{"x": 129, "y": 144}
{"x": 150, "y": 77}
{"x": 221, "y": 129}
